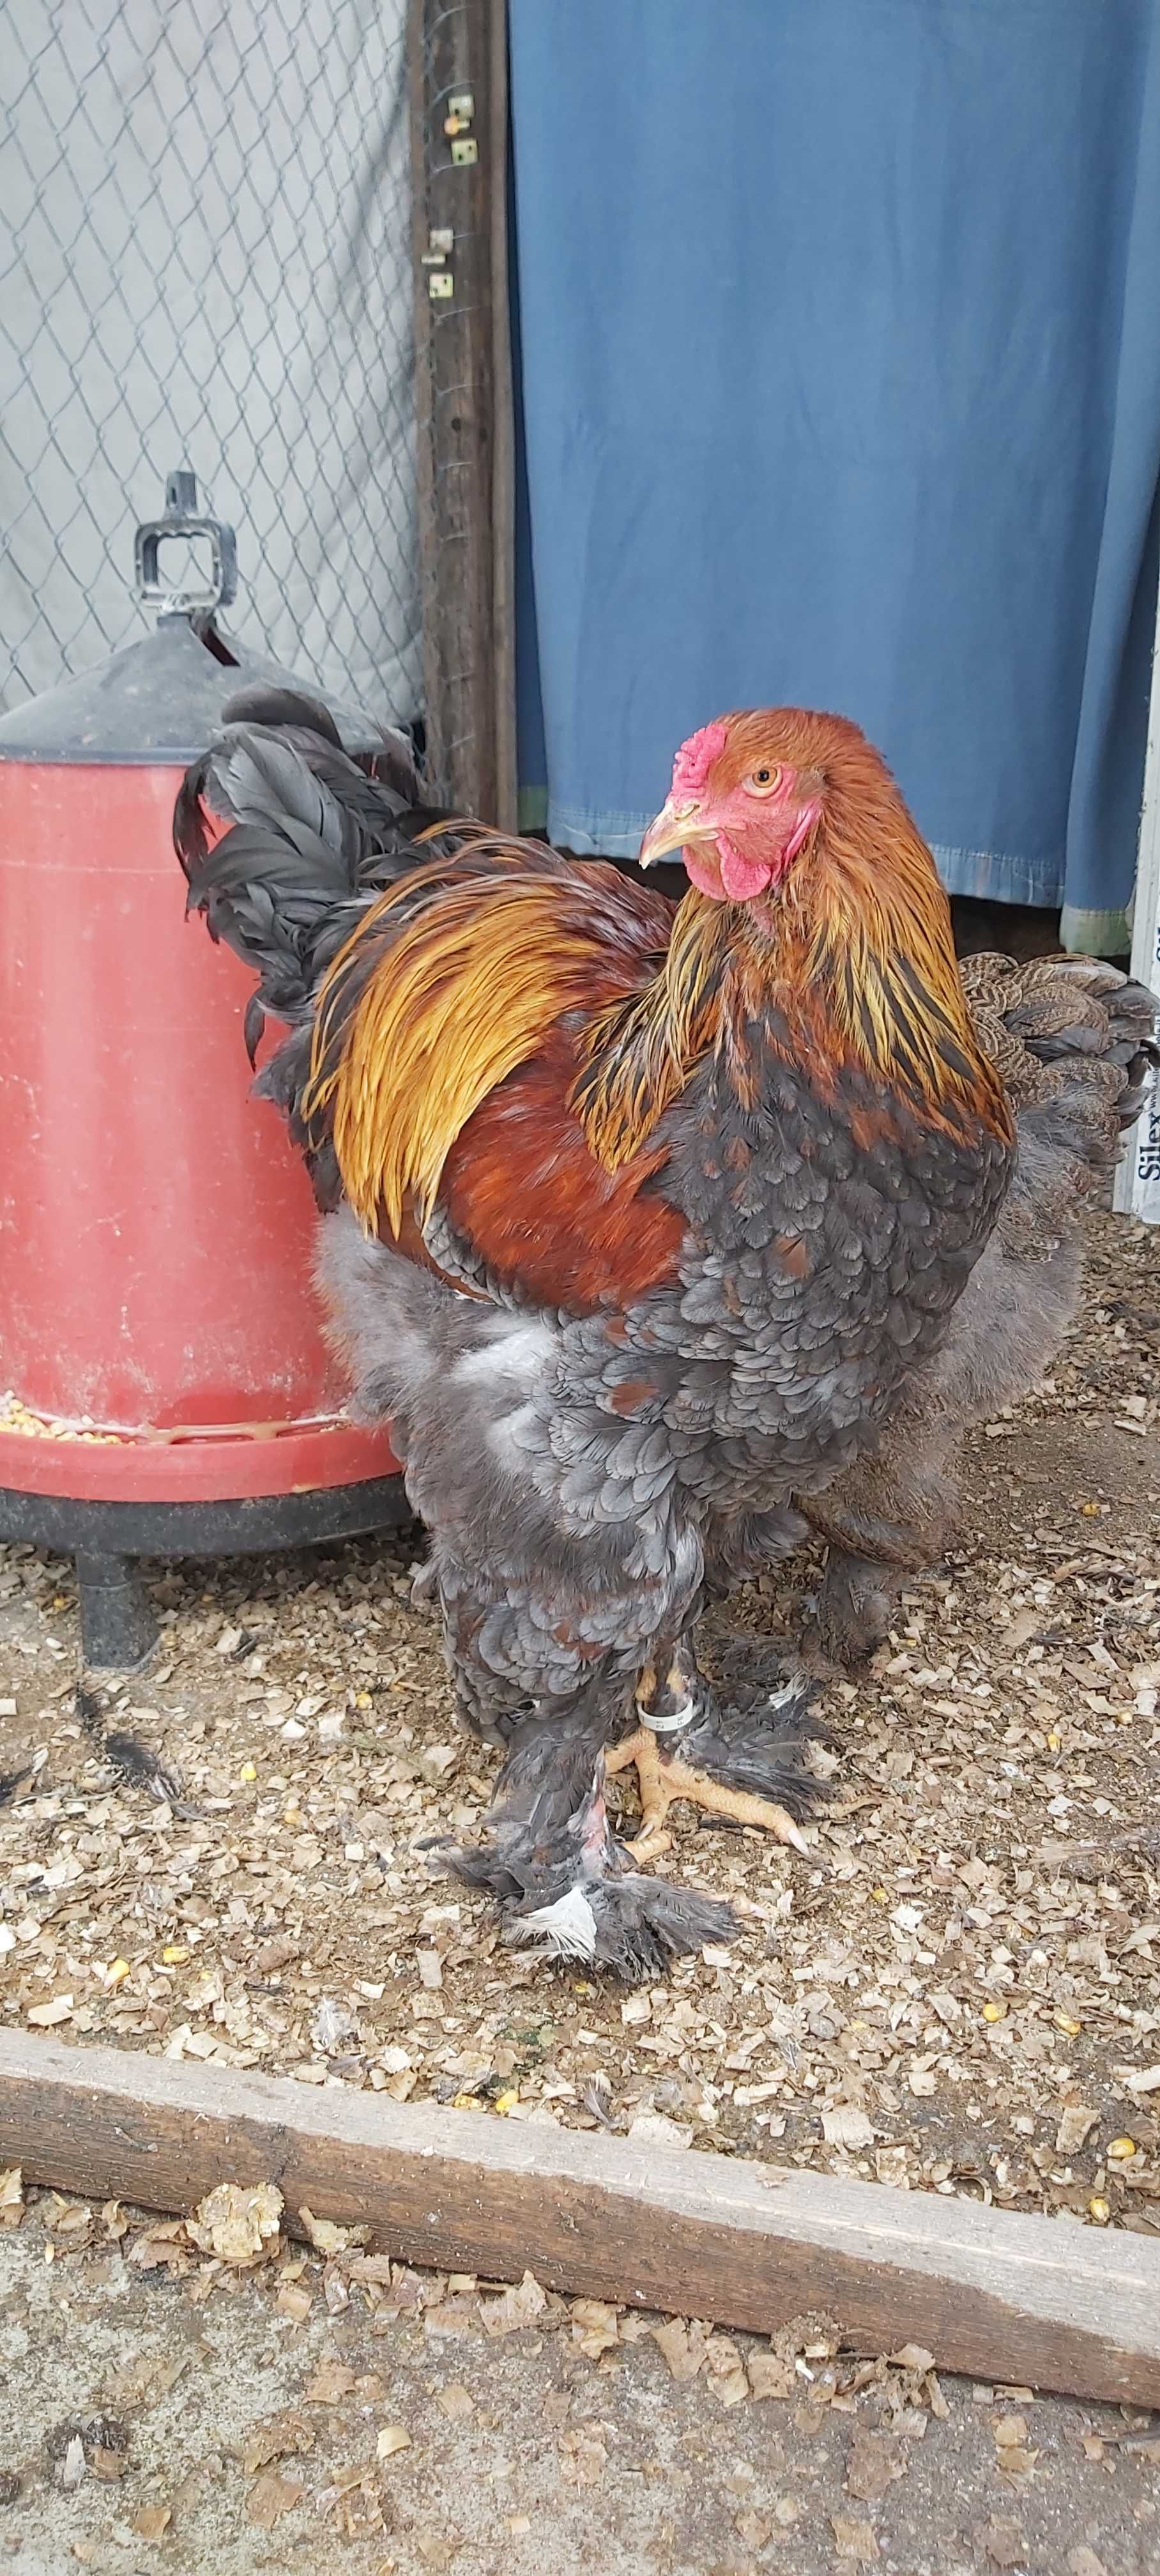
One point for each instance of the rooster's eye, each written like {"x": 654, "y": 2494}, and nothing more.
{"x": 764, "y": 780}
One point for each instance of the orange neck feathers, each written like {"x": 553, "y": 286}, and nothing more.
{"x": 862, "y": 953}
{"x": 638, "y": 1053}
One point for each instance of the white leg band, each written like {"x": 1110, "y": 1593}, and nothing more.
{"x": 673, "y": 1725}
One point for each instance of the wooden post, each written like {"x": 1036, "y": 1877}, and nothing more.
{"x": 1014, "y": 2299}
{"x": 457, "y": 53}
{"x": 1138, "y": 1179}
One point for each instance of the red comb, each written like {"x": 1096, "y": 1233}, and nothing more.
{"x": 695, "y": 759}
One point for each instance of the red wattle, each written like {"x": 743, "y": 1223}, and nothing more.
{"x": 741, "y": 877}
{"x": 703, "y": 870}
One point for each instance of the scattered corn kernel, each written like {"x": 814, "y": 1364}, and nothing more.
{"x": 505, "y": 2102}
{"x": 1091, "y": 1511}
{"x": 1099, "y": 2209}
{"x": 116, "y": 1972}
{"x": 1053, "y": 1743}
{"x": 362, "y": 1699}
{"x": 249, "y": 1771}
{"x": 1120, "y": 2150}
{"x": 1067, "y": 2022}
{"x": 15, "y": 1416}
{"x": 174, "y": 1956}
{"x": 880, "y": 1896}
{"x": 994, "y": 2012}
{"x": 464, "y": 2102}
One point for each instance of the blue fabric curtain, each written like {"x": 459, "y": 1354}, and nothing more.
{"x": 840, "y": 382}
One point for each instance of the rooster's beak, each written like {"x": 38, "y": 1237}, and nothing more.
{"x": 675, "y": 826}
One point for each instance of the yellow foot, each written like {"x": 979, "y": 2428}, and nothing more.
{"x": 664, "y": 1777}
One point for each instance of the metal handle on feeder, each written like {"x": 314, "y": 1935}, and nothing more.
{"x": 182, "y": 518}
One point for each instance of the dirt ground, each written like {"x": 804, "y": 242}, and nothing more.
{"x": 957, "y": 1991}
{"x": 197, "y": 2422}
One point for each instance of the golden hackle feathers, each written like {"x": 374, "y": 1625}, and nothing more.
{"x": 463, "y": 994}
{"x": 640, "y": 1052}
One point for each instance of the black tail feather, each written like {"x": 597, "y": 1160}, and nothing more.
{"x": 263, "y": 705}
{"x": 391, "y": 764}
{"x": 313, "y": 837}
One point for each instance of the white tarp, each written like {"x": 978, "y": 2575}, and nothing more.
{"x": 208, "y": 219}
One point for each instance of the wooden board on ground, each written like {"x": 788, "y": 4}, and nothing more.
{"x": 1014, "y": 2299}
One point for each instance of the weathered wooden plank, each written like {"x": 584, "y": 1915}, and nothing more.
{"x": 1009, "y": 2298}
{"x": 464, "y": 451}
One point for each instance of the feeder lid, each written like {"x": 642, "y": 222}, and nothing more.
{"x": 156, "y": 703}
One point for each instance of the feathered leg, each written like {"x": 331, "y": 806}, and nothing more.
{"x": 562, "y": 1881}
{"x": 892, "y": 1516}
{"x": 857, "y": 1603}
{"x": 734, "y": 1745}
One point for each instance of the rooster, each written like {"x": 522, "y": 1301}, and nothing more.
{"x": 641, "y": 1224}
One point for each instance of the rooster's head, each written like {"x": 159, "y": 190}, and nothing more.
{"x": 750, "y": 791}
{"x": 790, "y": 822}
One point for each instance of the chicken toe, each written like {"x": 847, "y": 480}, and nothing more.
{"x": 664, "y": 1777}
{"x": 746, "y": 1764}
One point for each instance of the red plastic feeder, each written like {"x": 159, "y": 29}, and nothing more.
{"x": 164, "y": 1386}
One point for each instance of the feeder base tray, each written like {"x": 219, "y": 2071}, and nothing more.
{"x": 107, "y": 1540}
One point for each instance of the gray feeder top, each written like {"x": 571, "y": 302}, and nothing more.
{"x": 156, "y": 703}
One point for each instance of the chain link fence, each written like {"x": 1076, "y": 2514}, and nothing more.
{"x": 205, "y": 260}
